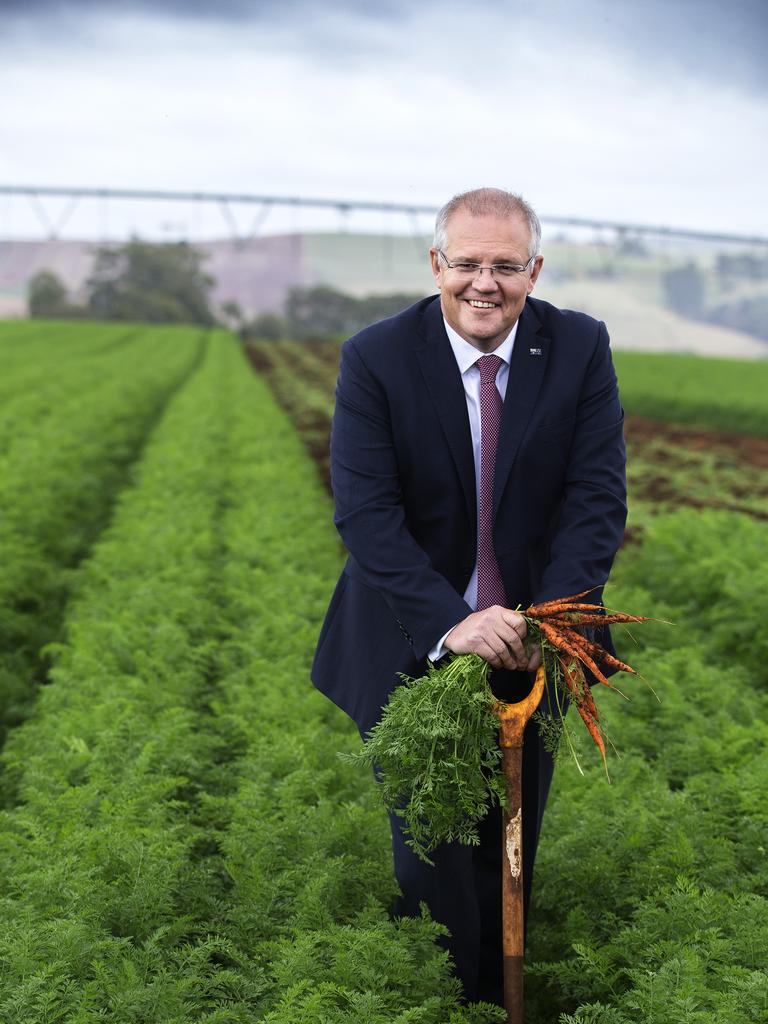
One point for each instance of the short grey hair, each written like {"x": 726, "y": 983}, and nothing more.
{"x": 480, "y": 202}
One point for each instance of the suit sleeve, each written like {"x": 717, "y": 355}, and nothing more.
{"x": 590, "y": 523}
{"x": 370, "y": 515}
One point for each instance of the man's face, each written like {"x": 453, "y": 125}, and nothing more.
{"x": 483, "y": 309}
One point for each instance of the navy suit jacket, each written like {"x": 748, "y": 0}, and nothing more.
{"x": 404, "y": 486}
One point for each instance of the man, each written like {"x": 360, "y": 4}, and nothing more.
{"x": 477, "y": 466}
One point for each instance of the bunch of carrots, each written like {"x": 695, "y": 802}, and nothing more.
{"x": 561, "y": 624}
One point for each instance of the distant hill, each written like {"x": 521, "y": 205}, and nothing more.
{"x": 257, "y": 273}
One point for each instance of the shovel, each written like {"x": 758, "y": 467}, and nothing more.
{"x": 512, "y": 720}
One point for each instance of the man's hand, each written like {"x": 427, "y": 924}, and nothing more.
{"x": 497, "y": 635}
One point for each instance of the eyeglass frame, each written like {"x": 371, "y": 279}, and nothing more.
{"x": 494, "y": 268}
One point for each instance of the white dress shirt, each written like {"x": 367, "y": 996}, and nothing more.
{"x": 466, "y": 358}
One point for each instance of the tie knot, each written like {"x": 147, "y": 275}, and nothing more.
{"x": 488, "y": 367}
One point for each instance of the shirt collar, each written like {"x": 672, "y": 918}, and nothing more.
{"x": 467, "y": 355}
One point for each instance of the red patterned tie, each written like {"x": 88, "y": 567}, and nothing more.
{"x": 490, "y": 587}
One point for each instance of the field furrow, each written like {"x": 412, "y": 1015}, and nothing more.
{"x": 59, "y": 475}
{"x": 651, "y": 897}
{"x": 179, "y": 753}
{"x": 181, "y": 841}
{"x": 28, "y": 359}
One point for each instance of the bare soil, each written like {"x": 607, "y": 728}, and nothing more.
{"x": 650, "y": 438}
{"x": 752, "y": 450}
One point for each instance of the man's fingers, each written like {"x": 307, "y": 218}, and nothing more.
{"x": 514, "y": 619}
{"x": 507, "y": 656}
{"x": 496, "y": 634}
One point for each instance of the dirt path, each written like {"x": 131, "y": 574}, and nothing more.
{"x": 669, "y": 464}
{"x": 752, "y": 450}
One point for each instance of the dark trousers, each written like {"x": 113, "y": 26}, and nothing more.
{"x": 463, "y": 889}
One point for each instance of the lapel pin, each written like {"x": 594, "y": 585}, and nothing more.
{"x": 534, "y": 351}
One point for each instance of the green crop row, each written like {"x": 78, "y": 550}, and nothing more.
{"x": 31, "y": 352}
{"x": 307, "y": 845}
{"x": 99, "y": 857}
{"x": 59, "y": 470}
{"x": 187, "y": 846}
{"x": 651, "y": 895}
{"x": 722, "y": 394}
{"x": 57, "y": 378}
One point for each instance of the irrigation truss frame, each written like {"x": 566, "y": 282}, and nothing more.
{"x": 36, "y": 194}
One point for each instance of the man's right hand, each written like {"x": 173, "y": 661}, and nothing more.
{"x": 497, "y": 635}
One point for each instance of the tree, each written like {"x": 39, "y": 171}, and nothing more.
{"x": 266, "y": 326}
{"x": 47, "y": 297}
{"x": 153, "y": 283}
{"x": 320, "y": 311}
{"x": 232, "y": 314}
{"x": 684, "y": 290}
{"x": 749, "y": 314}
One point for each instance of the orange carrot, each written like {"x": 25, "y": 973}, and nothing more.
{"x": 570, "y": 636}
{"x": 564, "y": 609}
{"x": 595, "y": 650}
{"x": 546, "y": 607}
{"x": 593, "y": 728}
{"x": 609, "y": 660}
{"x": 562, "y": 642}
{"x": 589, "y": 703}
{"x": 580, "y": 619}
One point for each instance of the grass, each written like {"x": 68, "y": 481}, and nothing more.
{"x": 722, "y": 394}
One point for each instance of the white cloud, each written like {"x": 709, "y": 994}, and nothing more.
{"x": 361, "y": 109}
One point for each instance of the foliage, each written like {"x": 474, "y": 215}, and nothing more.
{"x": 154, "y": 283}
{"x": 627, "y": 875}
{"x": 684, "y": 289}
{"x": 67, "y": 441}
{"x": 29, "y": 349}
{"x": 652, "y": 895}
{"x": 709, "y": 568}
{"x": 723, "y": 394}
{"x": 436, "y": 750}
{"x": 186, "y": 845}
{"x": 749, "y": 313}
{"x": 321, "y": 311}
{"x": 734, "y": 266}
{"x": 47, "y": 297}
{"x": 266, "y": 326}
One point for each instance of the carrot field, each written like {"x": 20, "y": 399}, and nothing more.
{"x": 179, "y": 840}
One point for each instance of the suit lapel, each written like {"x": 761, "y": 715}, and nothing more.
{"x": 526, "y": 373}
{"x": 443, "y": 380}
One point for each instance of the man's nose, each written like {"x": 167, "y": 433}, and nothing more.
{"x": 484, "y": 280}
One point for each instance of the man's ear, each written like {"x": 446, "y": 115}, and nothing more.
{"x": 437, "y": 270}
{"x": 535, "y": 270}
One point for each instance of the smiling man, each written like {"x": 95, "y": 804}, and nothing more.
{"x": 477, "y": 461}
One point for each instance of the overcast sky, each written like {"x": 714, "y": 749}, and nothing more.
{"x": 653, "y": 112}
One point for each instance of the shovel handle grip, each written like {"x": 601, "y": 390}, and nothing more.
{"x": 513, "y": 718}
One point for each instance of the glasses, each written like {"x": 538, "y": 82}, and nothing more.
{"x": 468, "y": 269}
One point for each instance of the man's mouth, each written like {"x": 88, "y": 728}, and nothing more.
{"x": 477, "y": 304}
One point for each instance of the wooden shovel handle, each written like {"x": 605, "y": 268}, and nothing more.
{"x": 512, "y": 722}
{"x": 513, "y": 718}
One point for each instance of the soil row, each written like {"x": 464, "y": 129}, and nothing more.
{"x": 670, "y": 465}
